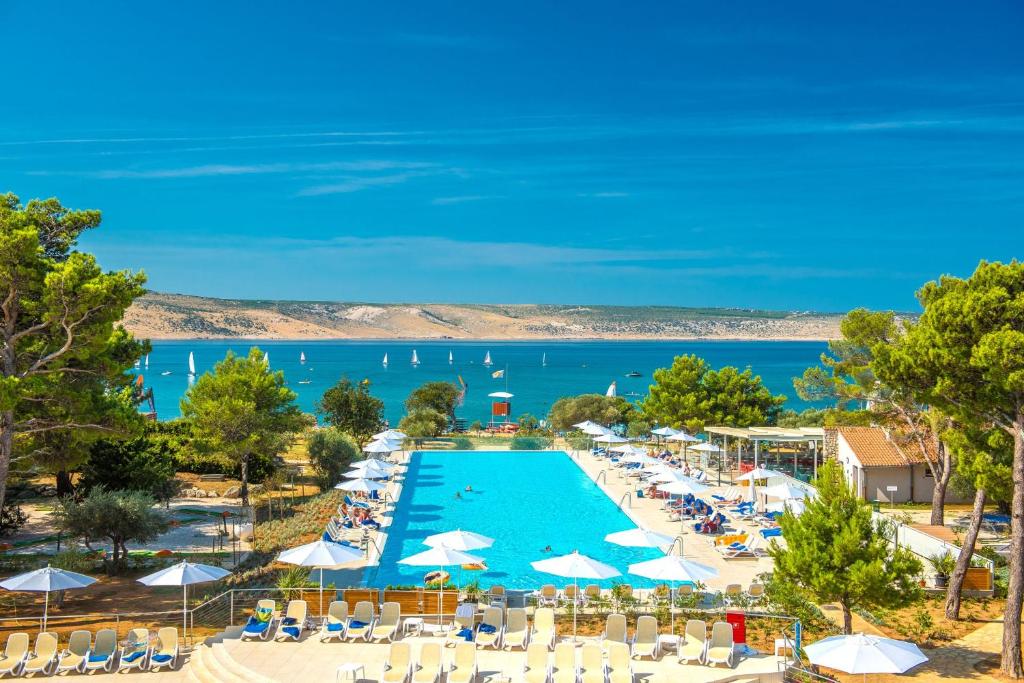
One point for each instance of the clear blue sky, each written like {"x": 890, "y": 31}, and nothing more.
{"x": 800, "y": 155}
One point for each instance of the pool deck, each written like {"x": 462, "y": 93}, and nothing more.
{"x": 649, "y": 514}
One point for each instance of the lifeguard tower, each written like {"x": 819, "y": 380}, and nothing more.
{"x": 501, "y": 409}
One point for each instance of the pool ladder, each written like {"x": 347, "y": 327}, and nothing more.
{"x": 626, "y": 496}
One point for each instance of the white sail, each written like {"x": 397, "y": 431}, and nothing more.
{"x": 385, "y": 360}
{"x": 415, "y": 358}
{"x": 147, "y": 360}
{"x": 266, "y": 357}
{"x": 451, "y": 358}
{"x": 612, "y": 392}
{"x": 487, "y": 358}
{"x": 544, "y": 360}
{"x": 302, "y": 356}
{"x": 191, "y": 363}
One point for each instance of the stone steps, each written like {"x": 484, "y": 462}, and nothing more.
{"x": 212, "y": 662}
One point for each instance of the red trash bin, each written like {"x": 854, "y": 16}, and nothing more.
{"x": 738, "y": 620}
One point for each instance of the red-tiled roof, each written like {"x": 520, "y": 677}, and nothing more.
{"x": 877, "y": 447}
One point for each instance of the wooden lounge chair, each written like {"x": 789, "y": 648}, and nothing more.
{"x": 566, "y": 670}
{"x": 386, "y": 627}
{"x": 103, "y": 650}
{"x": 463, "y": 668}
{"x": 398, "y": 665}
{"x": 537, "y": 667}
{"x": 543, "y": 627}
{"x": 293, "y": 622}
{"x": 593, "y": 669}
{"x": 428, "y": 668}
{"x": 694, "y": 645}
{"x": 571, "y": 594}
{"x": 334, "y": 622}
{"x": 645, "y": 639}
{"x": 732, "y": 591}
{"x": 685, "y": 590}
{"x": 620, "y": 666}
{"x": 73, "y": 658}
{"x": 592, "y": 592}
{"x": 166, "y": 651}
{"x": 15, "y": 654}
{"x": 261, "y": 620}
{"x": 491, "y": 629}
{"x": 720, "y": 647}
{"x": 135, "y": 651}
{"x": 44, "y": 657}
{"x": 548, "y": 596}
{"x": 360, "y": 624}
{"x": 517, "y": 629}
{"x": 756, "y": 591}
{"x": 614, "y": 630}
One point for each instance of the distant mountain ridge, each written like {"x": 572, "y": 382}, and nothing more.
{"x": 178, "y": 316}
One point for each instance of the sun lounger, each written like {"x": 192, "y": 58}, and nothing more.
{"x": 593, "y": 669}
{"x": 756, "y": 591}
{"x": 566, "y": 670}
{"x": 360, "y": 624}
{"x": 166, "y": 651}
{"x": 695, "y": 642}
{"x": 592, "y": 592}
{"x": 548, "y": 596}
{"x": 537, "y": 667}
{"x": 491, "y": 629}
{"x": 77, "y": 652}
{"x": 44, "y": 657}
{"x": 741, "y": 551}
{"x": 496, "y": 596}
{"x": 261, "y": 620}
{"x": 135, "y": 651}
{"x": 684, "y": 590}
{"x": 387, "y": 625}
{"x": 614, "y": 630}
{"x": 731, "y": 593}
{"x": 543, "y": 627}
{"x": 293, "y": 622}
{"x": 15, "y": 654}
{"x": 720, "y": 647}
{"x": 428, "y": 669}
{"x": 620, "y": 668}
{"x": 398, "y": 665}
{"x": 517, "y": 629}
{"x": 463, "y": 667}
{"x": 334, "y": 622}
{"x": 103, "y": 650}
{"x": 645, "y": 640}
{"x": 463, "y": 628}
{"x": 571, "y": 594}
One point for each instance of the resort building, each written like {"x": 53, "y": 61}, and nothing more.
{"x": 883, "y": 465}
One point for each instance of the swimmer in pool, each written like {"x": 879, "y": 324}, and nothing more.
{"x": 458, "y": 494}
{"x": 469, "y": 489}
{"x": 547, "y": 549}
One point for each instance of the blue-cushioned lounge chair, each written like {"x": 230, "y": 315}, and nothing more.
{"x": 260, "y": 623}
{"x": 293, "y": 622}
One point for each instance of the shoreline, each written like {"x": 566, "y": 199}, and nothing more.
{"x": 464, "y": 340}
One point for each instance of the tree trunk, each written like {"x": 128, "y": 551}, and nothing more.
{"x": 6, "y": 450}
{"x": 65, "y": 487}
{"x": 847, "y": 619}
{"x": 1011, "y": 662}
{"x": 244, "y": 490}
{"x": 941, "y": 484}
{"x": 963, "y": 561}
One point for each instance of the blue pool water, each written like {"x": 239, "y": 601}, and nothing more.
{"x": 525, "y": 500}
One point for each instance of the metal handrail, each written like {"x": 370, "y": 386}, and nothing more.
{"x": 629, "y": 495}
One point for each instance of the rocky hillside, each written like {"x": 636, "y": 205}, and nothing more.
{"x": 175, "y": 316}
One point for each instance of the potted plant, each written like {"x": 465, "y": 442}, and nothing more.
{"x": 943, "y": 566}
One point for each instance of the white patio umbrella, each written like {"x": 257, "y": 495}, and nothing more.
{"x": 706, "y": 447}
{"x": 441, "y": 557}
{"x": 578, "y": 567}
{"x": 796, "y": 506}
{"x": 366, "y": 473}
{"x": 184, "y": 574}
{"x": 664, "y": 476}
{"x": 361, "y": 486}
{"x": 673, "y": 568}
{"x": 682, "y": 487}
{"x": 375, "y": 463}
{"x": 459, "y": 540}
{"x": 683, "y": 437}
{"x": 641, "y": 458}
{"x": 587, "y": 424}
{"x": 320, "y": 554}
{"x": 381, "y": 447}
{"x": 609, "y": 438}
{"x": 664, "y": 431}
{"x": 640, "y": 538}
{"x": 47, "y": 580}
{"x": 622, "y": 448}
{"x": 759, "y": 473}
{"x": 785, "y": 491}
{"x": 860, "y": 653}
{"x": 391, "y": 435}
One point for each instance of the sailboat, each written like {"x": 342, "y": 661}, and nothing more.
{"x": 544, "y": 360}
{"x": 385, "y": 360}
{"x": 302, "y": 356}
{"x": 415, "y": 358}
{"x": 137, "y": 363}
{"x": 451, "y": 358}
{"x": 191, "y": 364}
{"x": 147, "y": 360}
{"x": 612, "y": 391}
{"x": 266, "y": 358}
{"x": 487, "y": 359}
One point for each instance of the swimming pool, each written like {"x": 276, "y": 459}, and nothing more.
{"x": 525, "y": 500}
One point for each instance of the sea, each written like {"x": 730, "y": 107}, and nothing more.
{"x": 536, "y": 373}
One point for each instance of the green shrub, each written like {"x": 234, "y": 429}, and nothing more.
{"x": 331, "y": 453}
{"x": 528, "y": 443}
{"x": 461, "y": 443}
